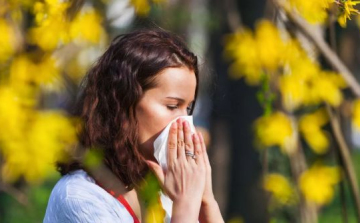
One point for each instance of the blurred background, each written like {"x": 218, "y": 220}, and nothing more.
{"x": 278, "y": 99}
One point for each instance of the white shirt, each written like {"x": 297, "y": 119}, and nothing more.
{"x": 76, "y": 198}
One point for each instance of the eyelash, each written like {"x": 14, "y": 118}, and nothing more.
{"x": 173, "y": 107}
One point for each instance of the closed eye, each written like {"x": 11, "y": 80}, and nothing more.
{"x": 172, "y": 107}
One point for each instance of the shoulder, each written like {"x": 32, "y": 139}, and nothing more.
{"x": 76, "y": 198}
{"x": 76, "y": 184}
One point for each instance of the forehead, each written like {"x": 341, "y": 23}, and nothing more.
{"x": 177, "y": 81}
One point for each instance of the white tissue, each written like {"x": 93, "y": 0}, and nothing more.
{"x": 160, "y": 153}
{"x": 161, "y": 142}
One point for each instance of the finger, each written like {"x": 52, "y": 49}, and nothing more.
{"x": 180, "y": 140}
{"x": 198, "y": 150}
{"x": 203, "y": 146}
{"x": 189, "y": 146}
{"x": 172, "y": 141}
{"x": 157, "y": 170}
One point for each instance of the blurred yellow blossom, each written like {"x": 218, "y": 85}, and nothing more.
{"x": 317, "y": 183}
{"x": 241, "y": 46}
{"x": 276, "y": 130}
{"x": 269, "y": 45}
{"x": 304, "y": 83}
{"x": 280, "y": 189}
{"x": 356, "y": 113}
{"x": 155, "y": 213}
{"x": 256, "y": 53}
{"x": 294, "y": 91}
{"x": 347, "y": 9}
{"x": 326, "y": 89}
{"x": 24, "y": 71}
{"x": 312, "y": 11}
{"x": 52, "y": 25}
{"x": 86, "y": 26}
{"x": 12, "y": 114}
{"x": 310, "y": 127}
{"x": 34, "y": 154}
{"x": 7, "y": 38}
{"x": 142, "y": 7}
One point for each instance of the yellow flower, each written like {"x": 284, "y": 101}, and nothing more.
{"x": 269, "y": 45}
{"x": 87, "y": 26}
{"x": 310, "y": 127}
{"x": 347, "y": 9}
{"x": 317, "y": 183}
{"x": 325, "y": 89}
{"x": 276, "y": 130}
{"x": 312, "y": 11}
{"x": 241, "y": 46}
{"x": 295, "y": 84}
{"x": 294, "y": 91}
{"x": 24, "y": 71}
{"x": 356, "y": 113}
{"x": 7, "y": 38}
{"x": 280, "y": 188}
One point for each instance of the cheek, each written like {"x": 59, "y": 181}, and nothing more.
{"x": 152, "y": 120}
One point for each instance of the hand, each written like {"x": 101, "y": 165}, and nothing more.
{"x": 185, "y": 177}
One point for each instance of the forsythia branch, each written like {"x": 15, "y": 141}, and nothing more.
{"x": 324, "y": 48}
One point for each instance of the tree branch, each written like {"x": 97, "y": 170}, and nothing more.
{"x": 346, "y": 158}
{"x": 324, "y": 48}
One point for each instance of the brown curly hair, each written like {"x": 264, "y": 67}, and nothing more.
{"x": 111, "y": 90}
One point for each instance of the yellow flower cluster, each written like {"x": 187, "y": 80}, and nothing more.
{"x": 280, "y": 188}
{"x": 256, "y": 53}
{"x": 317, "y": 11}
{"x": 317, "y": 183}
{"x": 31, "y": 140}
{"x": 306, "y": 84}
{"x": 312, "y": 11}
{"x": 25, "y": 73}
{"x": 310, "y": 127}
{"x": 302, "y": 82}
{"x": 276, "y": 129}
{"x": 54, "y": 28}
{"x": 347, "y": 9}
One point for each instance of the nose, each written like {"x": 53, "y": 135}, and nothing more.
{"x": 184, "y": 112}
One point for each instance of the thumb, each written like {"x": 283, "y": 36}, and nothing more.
{"x": 157, "y": 170}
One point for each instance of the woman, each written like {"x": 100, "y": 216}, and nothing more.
{"x": 142, "y": 82}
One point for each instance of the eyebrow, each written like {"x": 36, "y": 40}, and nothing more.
{"x": 179, "y": 99}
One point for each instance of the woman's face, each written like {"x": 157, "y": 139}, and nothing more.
{"x": 172, "y": 97}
